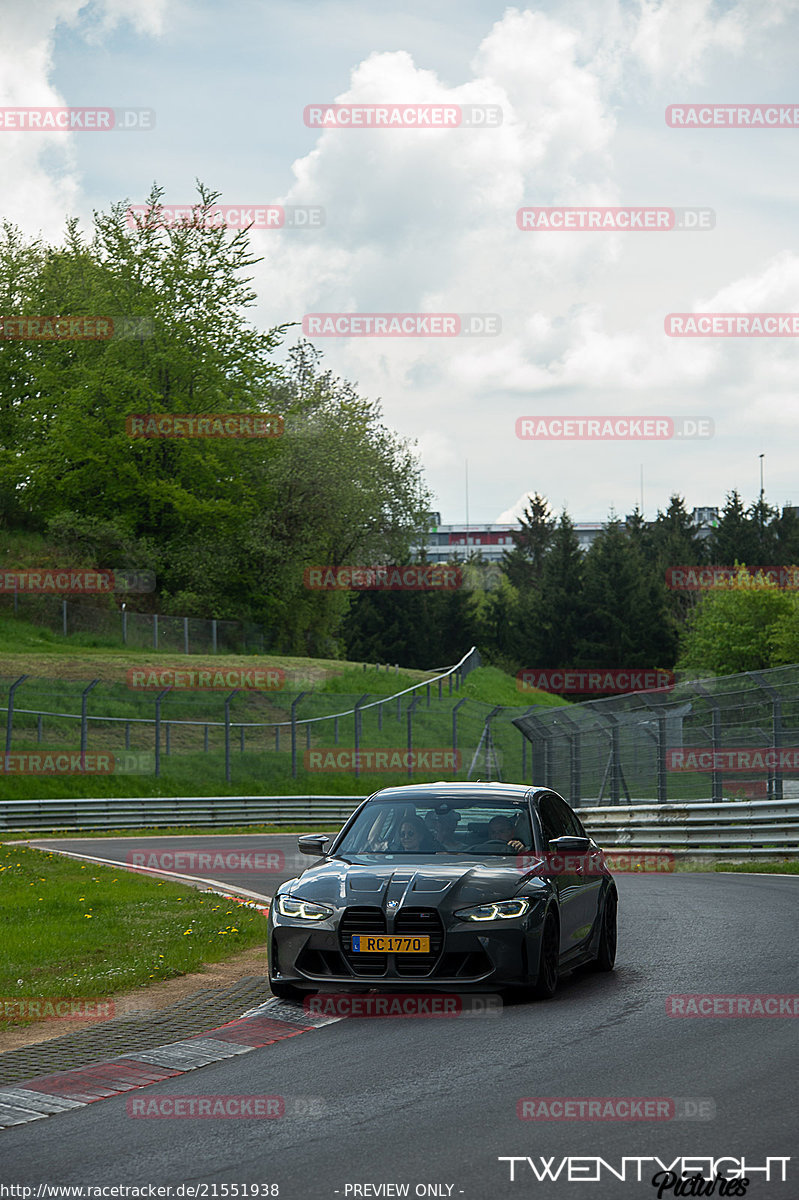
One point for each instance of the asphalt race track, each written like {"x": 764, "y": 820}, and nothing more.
{"x": 432, "y": 1103}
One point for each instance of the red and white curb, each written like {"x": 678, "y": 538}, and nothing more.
{"x": 271, "y": 1022}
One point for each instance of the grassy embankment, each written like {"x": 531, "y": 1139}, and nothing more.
{"x": 79, "y": 931}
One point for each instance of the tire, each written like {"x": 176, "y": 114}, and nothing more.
{"x": 546, "y": 984}
{"x": 286, "y": 991}
{"x": 606, "y": 953}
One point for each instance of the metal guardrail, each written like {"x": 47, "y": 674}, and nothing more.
{"x": 756, "y": 829}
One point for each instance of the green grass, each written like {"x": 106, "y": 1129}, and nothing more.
{"x": 73, "y": 930}
{"x": 789, "y": 866}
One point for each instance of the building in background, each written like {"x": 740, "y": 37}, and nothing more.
{"x": 447, "y": 542}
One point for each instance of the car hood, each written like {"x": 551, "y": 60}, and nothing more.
{"x": 373, "y": 880}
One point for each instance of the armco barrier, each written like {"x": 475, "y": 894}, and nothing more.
{"x": 756, "y": 829}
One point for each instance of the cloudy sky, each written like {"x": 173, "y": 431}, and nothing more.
{"x": 424, "y": 220}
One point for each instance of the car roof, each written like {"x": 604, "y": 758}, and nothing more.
{"x": 468, "y": 790}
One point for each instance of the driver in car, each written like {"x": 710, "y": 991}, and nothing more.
{"x": 502, "y": 829}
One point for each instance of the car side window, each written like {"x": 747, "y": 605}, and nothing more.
{"x": 567, "y": 818}
{"x": 550, "y": 826}
{"x": 556, "y": 819}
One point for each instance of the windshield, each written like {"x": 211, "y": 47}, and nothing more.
{"x": 491, "y": 826}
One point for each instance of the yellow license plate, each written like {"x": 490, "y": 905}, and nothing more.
{"x": 389, "y": 943}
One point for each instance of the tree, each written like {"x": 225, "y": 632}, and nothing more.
{"x": 524, "y": 563}
{"x": 736, "y": 537}
{"x": 625, "y": 606}
{"x": 732, "y": 628}
{"x": 557, "y": 618}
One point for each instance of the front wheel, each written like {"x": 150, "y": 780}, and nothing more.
{"x": 606, "y": 954}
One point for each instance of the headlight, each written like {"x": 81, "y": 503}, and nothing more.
{"x": 302, "y": 910}
{"x": 503, "y": 910}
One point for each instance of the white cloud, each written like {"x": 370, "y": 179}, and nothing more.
{"x": 41, "y": 182}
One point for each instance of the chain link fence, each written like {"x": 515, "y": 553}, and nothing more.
{"x": 136, "y": 630}
{"x": 736, "y": 736}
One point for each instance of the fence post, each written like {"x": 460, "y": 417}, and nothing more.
{"x": 380, "y": 716}
{"x": 127, "y": 735}
{"x": 39, "y": 727}
{"x": 428, "y": 695}
{"x": 227, "y": 732}
{"x": 10, "y": 714}
{"x": 168, "y": 738}
{"x": 411, "y": 707}
{"x": 775, "y": 780}
{"x": 213, "y": 634}
{"x": 660, "y": 747}
{"x": 356, "y": 712}
{"x": 294, "y": 704}
{"x": 575, "y": 762}
{"x": 64, "y": 617}
{"x": 185, "y": 635}
{"x": 335, "y": 731}
{"x": 158, "y": 700}
{"x": 155, "y": 631}
{"x": 717, "y": 776}
{"x": 84, "y": 703}
{"x": 124, "y": 625}
{"x": 455, "y": 730}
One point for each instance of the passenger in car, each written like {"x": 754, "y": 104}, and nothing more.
{"x": 416, "y": 838}
{"x": 443, "y": 826}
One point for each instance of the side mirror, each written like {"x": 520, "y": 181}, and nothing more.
{"x": 570, "y": 845}
{"x": 313, "y": 843}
